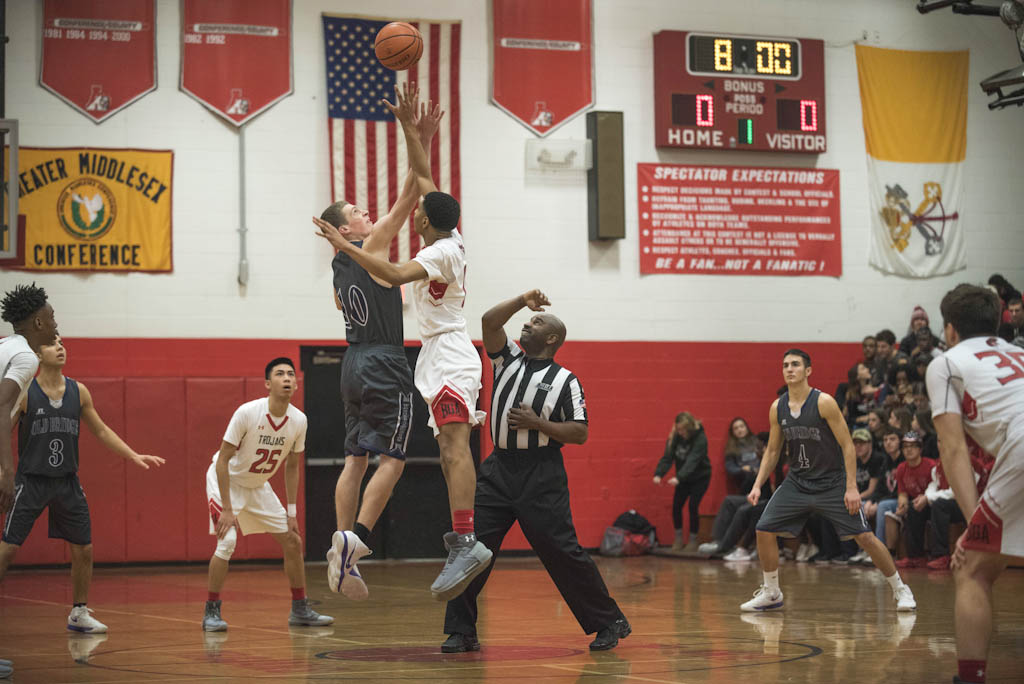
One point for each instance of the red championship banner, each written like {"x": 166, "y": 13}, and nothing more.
{"x": 743, "y": 220}
{"x": 99, "y": 57}
{"x": 236, "y": 55}
{"x": 543, "y": 64}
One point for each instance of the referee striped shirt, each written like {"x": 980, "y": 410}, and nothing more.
{"x": 554, "y": 393}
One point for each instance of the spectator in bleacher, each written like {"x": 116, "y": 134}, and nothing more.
{"x": 858, "y": 396}
{"x": 885, "y": 357}
{"x": 1013, "y": 328}
{"x": 742, "y": 460}
{"x": 900, "y": 384}
{"x": 687, "y": 451}
{"x": 883, "y": 500}
{"x": 878, "y": 418}
{"x": 945, "y": 509}
{"x": 921, "y": 402}
{"x": 1004, "y": 289}
{"x": 922, "y": 424}
{"x": 912, "y": 479}
{"x": 918, "y": 321}
{"x": 902, "y": 419}
{"x": 919, "y": 366}
{"x": 870, "y": 471}
{"x": 868, "y": 348}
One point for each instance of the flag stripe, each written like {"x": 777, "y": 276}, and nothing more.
{"x": 369, "y": 162}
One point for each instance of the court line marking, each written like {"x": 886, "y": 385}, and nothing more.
{"x": 190, "y": 622}
{"x": 579, "y": 671}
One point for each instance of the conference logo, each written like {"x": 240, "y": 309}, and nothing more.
{"x": 86, "y": 209}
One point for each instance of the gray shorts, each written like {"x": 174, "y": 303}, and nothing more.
{"x": 376, "y": 388}
{"x": 791, "y": 505}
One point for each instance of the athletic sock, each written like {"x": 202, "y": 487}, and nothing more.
{"x": 298, "y": 593}
{"x": 462, "y": 521}
{"x": 771, "y": 580}
{"x": 78, "y": 605}
{"x": 362, "y": 531}
{"x": 972, "y": 671}
{"x": 213, "y": 596}
{"x": 895, "y": 581}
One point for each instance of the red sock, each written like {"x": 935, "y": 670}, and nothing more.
{"x": 213, "y": 596}
{"x": 462, "y": 521}
{"x": 298, "y": 593}
{"x": 972, "y": 671}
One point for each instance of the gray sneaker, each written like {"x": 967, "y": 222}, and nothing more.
{"x": 467, "y": 558}
{"x": 212, "y": 621}
{"x": 302, "y": 614}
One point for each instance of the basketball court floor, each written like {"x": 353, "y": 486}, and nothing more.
{"x": 839, "y": 625}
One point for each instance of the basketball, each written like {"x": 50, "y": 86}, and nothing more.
{"x": 398, "y": 45}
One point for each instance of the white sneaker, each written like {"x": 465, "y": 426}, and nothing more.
{"x": 860, "y": 557}
{"x": 81, "y": 646}
{"x": 708, "y": 548}
{"x": 763, "y": 600}
{"x": 806, "y": 552}
{"x": 904, "y": 598}
{"x": 738, "y": 554}
{"x": 342, "y": 575}
{"x": 81, "y": 621}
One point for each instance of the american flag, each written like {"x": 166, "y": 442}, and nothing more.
{"x": 368, "y": 155}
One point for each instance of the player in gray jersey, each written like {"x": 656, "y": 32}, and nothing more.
{"x": 47, "y": 477}
{"x": 822, "y": 479}
{"x": 376, "y": 382}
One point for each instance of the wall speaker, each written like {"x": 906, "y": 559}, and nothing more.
{"x": 606, "y": 190}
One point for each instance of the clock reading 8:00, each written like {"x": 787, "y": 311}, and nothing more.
{"x": 752, "y": 57}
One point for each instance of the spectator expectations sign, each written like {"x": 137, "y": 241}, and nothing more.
{"x": 738, "y": 220}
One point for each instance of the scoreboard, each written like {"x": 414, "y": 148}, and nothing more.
{"x": 732, "y": 92}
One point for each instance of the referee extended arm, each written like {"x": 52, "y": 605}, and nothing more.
{"x": 497, "y": 316}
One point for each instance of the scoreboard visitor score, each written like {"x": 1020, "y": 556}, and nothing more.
{"x": 733, "y": 92}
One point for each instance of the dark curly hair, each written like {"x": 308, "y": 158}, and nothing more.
{"x": 442, "y": 209}
{"x": 23, "y": 301}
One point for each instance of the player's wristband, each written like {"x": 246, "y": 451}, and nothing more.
{"x": 292, "y": 512}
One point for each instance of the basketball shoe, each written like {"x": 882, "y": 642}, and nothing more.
{"x": 212, "y": 621}
{"x": 763, "y": 600}
{"x": 342, "y": 575}
{"x": 904, "y": 598}
{"x": 302, "y": 614}
{"x": 80, "y": 621}
{"x": 467, "y": 558}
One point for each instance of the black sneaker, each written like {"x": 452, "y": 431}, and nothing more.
{"x": 460, "y": 643}
{"x": 609, "y": 637}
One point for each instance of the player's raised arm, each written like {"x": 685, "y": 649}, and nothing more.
{"x": 405, "y": 112}
{"x": 770, "y": 456}
{"x": 108, "y": 437}
{"x": 382, "y": 268}
{"x": 495, "y": 318}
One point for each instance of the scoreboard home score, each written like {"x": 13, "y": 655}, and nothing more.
{"x": 731, "y": 92}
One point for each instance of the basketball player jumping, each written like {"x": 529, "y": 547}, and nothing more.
{"x": 449, "y": 369}
{"x": 977, "y": 388}
{"x": 52, "y": 412}
{"x": 376, "y": 383}
{"x": 262, "y": 434}
{"x": 822, "y": 478}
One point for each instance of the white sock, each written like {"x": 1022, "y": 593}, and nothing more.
{"x": 895, "y": 581}
{"x": 771, "y": 580}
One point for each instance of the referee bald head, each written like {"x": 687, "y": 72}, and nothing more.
{"x": 542, "y": 335}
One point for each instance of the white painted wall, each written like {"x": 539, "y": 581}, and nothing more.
{"x": 519, "y": 234}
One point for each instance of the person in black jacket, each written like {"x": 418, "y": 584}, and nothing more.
{"x": 687, "y": 449}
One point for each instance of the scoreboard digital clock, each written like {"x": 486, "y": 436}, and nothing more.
{"x": 731, "y": 92}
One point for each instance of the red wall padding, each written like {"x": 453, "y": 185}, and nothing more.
{"x": 174, "y": 398}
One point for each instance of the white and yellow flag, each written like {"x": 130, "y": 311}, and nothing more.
{"x": 915, "y": 129}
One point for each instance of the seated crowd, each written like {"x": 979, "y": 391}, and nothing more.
{"x": 905, "y": 494}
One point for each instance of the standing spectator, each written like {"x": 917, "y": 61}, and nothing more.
{"x": 687, "y": 450}
{"x": 912, "y": 478}
{"x": 1013, "y": 328}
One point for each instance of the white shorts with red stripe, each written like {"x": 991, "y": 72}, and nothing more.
{"x": 448, "y": 373}
{"x": 256, "y": 509}
{"x": 997, "y": 525}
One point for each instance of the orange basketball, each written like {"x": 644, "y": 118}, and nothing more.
{"x": 398, "y": 46}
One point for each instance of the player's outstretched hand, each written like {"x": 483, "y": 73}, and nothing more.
{"x": 536, "y": 300}
{"x": 428, "y": 121}
{"x": 332, "y": 235}
{"x": 754, "y": 496}
{"x": 224, "y": 523}
{"x": 407, "y": 100}
{"x": 852, "y": 501}
{"x": 145, "y": 460}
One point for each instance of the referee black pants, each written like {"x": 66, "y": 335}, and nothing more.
{"x": 532, "y": 487}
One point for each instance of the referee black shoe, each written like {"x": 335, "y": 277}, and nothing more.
{"x": 608, "y": 637}
{"x": 460, "y": 643}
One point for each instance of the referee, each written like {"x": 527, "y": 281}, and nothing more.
{"x": 536, "y": 407}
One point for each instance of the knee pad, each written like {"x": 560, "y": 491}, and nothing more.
{"x": 226, "y": 546}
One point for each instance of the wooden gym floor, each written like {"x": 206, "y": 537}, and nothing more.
{"x": 839, "y": 625}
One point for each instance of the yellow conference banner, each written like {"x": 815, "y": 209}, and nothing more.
{"x": 95, "y": 209}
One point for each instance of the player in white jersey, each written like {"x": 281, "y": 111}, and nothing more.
{"x": 262, "y": 435}
{"x": 977, "y": 388}
{"x": 448, "y": 370}
{"x": 25, "y": 307}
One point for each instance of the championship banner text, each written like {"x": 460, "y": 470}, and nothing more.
{"x": 95, "y": 209}
{"x": 739, "y": 220}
